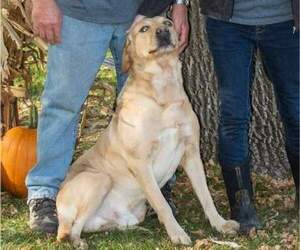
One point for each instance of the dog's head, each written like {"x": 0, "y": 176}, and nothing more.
{"x": 149, "y": 39}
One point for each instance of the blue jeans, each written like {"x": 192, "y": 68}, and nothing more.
{"x": 233, "y": 47}
{"x": 72, "y": 68}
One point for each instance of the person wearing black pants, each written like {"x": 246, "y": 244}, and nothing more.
{"x": 241, "y": 28}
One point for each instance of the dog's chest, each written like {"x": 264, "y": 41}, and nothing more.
{"x": 167, "y": 156}
{"x": 175, "y": 128}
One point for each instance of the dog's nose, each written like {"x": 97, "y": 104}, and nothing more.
{"x": 163, "y": 36}
{"x": 162, "y": 31}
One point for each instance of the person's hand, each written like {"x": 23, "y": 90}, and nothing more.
{"x": 181, "y": 24}
{"x": 136, "y": 20}
{"x": 47, "y": 20}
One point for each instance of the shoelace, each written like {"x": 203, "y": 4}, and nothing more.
{"x": 42, "y": 206}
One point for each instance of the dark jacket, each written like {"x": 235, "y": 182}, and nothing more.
{"x": 151, "y": 8}
{"x": 221, "y": 9}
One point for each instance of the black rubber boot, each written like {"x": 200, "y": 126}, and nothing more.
{"x": 239, "y": 190}
{"x": 294, "y": 163}
{"x": 167, "y": 193}
{"x": 166, "y": 190}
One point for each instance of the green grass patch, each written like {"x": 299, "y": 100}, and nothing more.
{"x": 280, "y": 221}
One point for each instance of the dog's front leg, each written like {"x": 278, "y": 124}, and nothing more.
{"x": 193, "y": 166}
{"x": 145, "y": 177}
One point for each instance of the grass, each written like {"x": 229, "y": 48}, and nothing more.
{"x": 274, "y": 199}
{"x": 280, "y": 222}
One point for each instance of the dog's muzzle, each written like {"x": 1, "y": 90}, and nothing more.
{"x": 163, "y": 37}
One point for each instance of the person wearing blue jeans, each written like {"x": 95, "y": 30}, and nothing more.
{"x": 254, "y": 25}
{"x": 79, "y": 34}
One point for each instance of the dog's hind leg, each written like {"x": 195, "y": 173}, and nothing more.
{"x": 193, "y": 166}
{"x": 77, "y": 201}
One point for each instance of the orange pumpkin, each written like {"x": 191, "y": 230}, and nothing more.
{"x": 18, "y": 156}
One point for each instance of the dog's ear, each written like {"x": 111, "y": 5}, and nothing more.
{"x": 127, "y": 57}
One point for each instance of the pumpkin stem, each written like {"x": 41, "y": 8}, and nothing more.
{"x": 33, "y": 116}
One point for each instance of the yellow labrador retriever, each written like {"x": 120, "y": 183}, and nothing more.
{"x": 153, "y": 130}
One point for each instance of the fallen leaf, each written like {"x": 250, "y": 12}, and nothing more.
{"x": 265, "y": 247}
{"x": 226, "y": 243}
{"x": 262, "y": 234}
{"x": 288, "y": 202}
{"x": 199, "y": 233}
{"x": 202, "y": 244}
{"x": 12, "y": 209}
{"x": 252, "y": 233}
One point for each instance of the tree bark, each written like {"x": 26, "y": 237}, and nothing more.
{"x": 266, "y": 131}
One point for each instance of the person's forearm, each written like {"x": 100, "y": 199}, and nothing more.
{"x": 151, "y": 8}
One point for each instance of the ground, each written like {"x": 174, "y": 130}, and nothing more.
{"x": 274, "y": 200}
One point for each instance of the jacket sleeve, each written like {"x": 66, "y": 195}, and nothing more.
{"x": 151, "y": 8}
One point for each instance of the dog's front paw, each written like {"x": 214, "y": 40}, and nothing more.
{"x": 80, "y": 244}
{"x": 178, "y": 236}
{"x": 230, "y": 227}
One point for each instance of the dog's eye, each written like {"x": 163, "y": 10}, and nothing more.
{"x": 144, "y": 28}
{"x": 168, "y": 23}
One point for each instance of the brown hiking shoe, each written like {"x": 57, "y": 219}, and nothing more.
{"x": 42, "y": 215}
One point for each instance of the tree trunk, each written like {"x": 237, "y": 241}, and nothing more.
{"x": 266, "y": 133}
